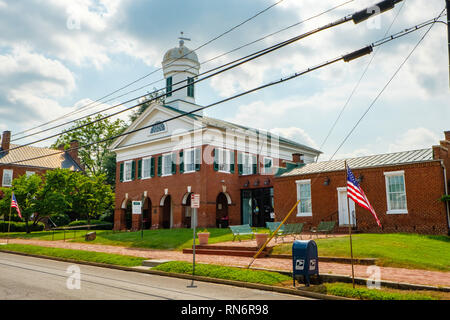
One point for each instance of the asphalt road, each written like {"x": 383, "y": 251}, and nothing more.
{"x": 29, "y": 278}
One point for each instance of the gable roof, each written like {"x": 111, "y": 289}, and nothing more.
{"x": 50, "y": 158}
{"x": 387, "y": 159}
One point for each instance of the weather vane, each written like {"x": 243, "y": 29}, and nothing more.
{"x": 183, "y": 38}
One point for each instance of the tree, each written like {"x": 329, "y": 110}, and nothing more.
{"x": 148, "y": 102}
{"x": 93, "y": 156}
{"x": 26, "y": 189}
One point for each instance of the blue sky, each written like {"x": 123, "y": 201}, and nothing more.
{"x": 56, "y": 56}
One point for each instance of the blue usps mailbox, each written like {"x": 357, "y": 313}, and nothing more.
{"x": 305, "y": 260}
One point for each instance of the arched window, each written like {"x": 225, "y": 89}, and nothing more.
{"x": 158, "y": 127}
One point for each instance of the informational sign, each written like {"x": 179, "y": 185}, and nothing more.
{"x": 299, "y": 264}
{"x": 195, "y": 200}
{"x": 137, "y": 207}
{"x": 312, "y": 264}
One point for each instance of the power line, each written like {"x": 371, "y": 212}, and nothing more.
{"x": 158, "y": 90}
{"x": 359, "y": 81}
{"x": 347, "y": 58}
{"x": 356, "y": 17}
{"x": 147, "y": 75}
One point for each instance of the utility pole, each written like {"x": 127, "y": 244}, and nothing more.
{"x": 448, "y": 35}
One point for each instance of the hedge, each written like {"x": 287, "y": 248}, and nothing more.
{"x": 20, "y": 226}
{"x": 107, "y": 225}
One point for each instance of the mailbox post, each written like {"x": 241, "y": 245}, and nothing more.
{"x": 305, "y": 260}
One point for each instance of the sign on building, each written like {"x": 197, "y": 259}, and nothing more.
{"x": 137, "y": 207}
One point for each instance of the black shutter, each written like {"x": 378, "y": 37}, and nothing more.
{"x": 216, "y": 159}
{"x": 174, "y": 163}
{"x": 139, "y": 173}
{"x": 240, "y": 165}
{"x": 231, "y": 161}
{"x": 181, "y": 162}
{"x": 133, "y": 170}
{"x": 159, "y": 166}
{"x": 121, "y": 172}
{"x": 255, "y": 164}
{"x": 152, "y": 167}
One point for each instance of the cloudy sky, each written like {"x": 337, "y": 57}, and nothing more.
{"x": 56, "y": 56}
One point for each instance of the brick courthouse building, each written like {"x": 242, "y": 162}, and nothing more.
{"x": 232, "y": 167}
{"x": 404, "y": 188}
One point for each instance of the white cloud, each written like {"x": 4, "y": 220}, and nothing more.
{"x": 296, "y": 134}
{"x": 413, "y": 139}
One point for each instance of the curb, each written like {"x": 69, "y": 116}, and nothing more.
{"x": 298, "y": 292}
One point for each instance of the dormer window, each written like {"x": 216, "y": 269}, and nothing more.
{"x": 158, "y": 127}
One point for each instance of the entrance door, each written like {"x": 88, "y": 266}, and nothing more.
{"x": 257, "y": 206}
{"x": 343, "y": 207}
{"x": 222, "y": 211}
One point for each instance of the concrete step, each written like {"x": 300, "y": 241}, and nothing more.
{"x": 224, "y": 247}
{"x": 222, "y": 252}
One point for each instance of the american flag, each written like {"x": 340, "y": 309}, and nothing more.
{"x": 14, "y": 204}
{"x": 355, "y": 193}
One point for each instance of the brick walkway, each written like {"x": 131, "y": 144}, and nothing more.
{"x": 435, "y": 278}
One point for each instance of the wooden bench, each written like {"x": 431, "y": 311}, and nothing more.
{"x": 241, "y": 230}
{"x": 325, "y": 227}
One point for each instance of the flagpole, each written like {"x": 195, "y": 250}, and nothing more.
{"x": 9, "y": 222}
{"x": 350, "y": 229}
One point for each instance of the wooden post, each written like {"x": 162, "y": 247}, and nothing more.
{"x": 350, "y": 229}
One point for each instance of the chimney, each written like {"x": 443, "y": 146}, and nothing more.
{"x": 6, "y": 138}
{"x": 74, "y": 153}
{"x": 447, "y": 135}
{"x": 297, "y": 157}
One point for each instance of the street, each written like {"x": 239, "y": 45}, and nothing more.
{"x": 42, "y": 279}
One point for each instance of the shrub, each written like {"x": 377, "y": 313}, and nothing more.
{"x": 107, "y": 226}
{"x": 20, "y": 226}
{"x": 60, "y": 219}
{"x": 107, "y": 217}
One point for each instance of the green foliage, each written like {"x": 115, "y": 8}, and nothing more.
{"x": 107, "y": 225}
{"x": 60, "y": 219}
{"x": 93, "y": 156}
{"x": 107, "y": 217}
{"x": 364, "y": 293}
{"x": 20, "y": 226}
{"x": 137, "y": 112}
{"x": 79, "y": 255}
{"x": 222, "y": 272}
{"x": 445, "y": 198}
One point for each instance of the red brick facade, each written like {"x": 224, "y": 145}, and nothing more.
{"x": 424, "y": 186}
{"x": 207, "y": 182}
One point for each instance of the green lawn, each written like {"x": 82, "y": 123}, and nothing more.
{"x": 223, "y": 272}
{"x": 395, "y": 250}
{"x": 78, "y": 255}
{"x": 165, "y": 239}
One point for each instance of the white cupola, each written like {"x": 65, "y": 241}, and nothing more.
{"x": 180, "y": 67}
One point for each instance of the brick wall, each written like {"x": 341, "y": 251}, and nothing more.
{"x": 207, "y": 182}
{"x": 424, "y": 185}
{"x": 19, "y": 171}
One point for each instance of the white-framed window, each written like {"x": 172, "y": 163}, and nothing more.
{"x": 128, "y": 165}
{"x": 304, "y": 208}
{"x": 268, "y": 163}
{"x": 167, "y": 164}
{"x": 396, "y": 192}
{"x": 146, "y": 168}
{"x": 30, "y": 173}
{"x": 158, "y": 127}
{"x": 224, "y": 160}
{"x": 190, "y": 159}
{"x": 7, "y": 178}
{"x": 247, "y": 164}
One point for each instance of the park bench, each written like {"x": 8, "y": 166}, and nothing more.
{"x": 272, "y": 226}
{"x": 325, "y": 227}
{"x": 241, "y": 230}
{"x": 292, "y": 229}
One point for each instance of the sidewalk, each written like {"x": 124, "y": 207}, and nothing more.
{"x": 424, "y": 277}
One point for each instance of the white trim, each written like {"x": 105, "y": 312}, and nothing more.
{"x": 3, "y": 177}
{"x": 227, "y": 161}
{"x": 387, "y": 175}
{"x": 298, "y": 183}
{"x": 124, "y": 170}
{"x": 184, "y": 160}
{"x": 142, "y": 168}
{"x": 250, "y": 162}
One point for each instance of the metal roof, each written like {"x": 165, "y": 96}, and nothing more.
{"x": 387, "y": 159}
{"x": 50, "y": 158}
